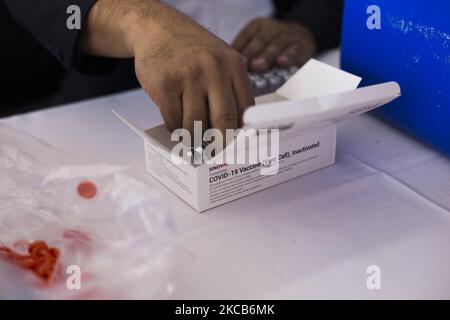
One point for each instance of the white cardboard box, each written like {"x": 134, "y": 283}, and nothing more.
{"x": 306, "y": 108}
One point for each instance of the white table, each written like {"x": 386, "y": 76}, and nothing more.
{"x": 386, "y": 202}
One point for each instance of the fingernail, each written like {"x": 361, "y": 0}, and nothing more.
{"x": 284, "y": 60}
{"x": 259, "y": 63}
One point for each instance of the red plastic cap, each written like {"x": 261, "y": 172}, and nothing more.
{"x": 87, "y": 189}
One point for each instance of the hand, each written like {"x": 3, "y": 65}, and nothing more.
{"x": 266, "y": 42}
{"x": 193, "y": 76}
{"x": 188, "y": 72}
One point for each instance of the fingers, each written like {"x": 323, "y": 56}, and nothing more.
{"x": 267, "y": 42}
{"x": 243, "y": 93}
{"x": 195, "y": 108}
{"x": 295, "y": 54}
{"x": 259, "y": 42}
{"x": 245, "y": 35}
{"x": 217, "y": 99}
{"x": 299, "y": 51}
{"x": 222, "y": 106}
{"x": 170, "y": 106}
{"x": 270, "y": 53}
{"x": 292, "y": 55}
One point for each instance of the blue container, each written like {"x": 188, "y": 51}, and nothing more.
{"x": 412, "y": 47}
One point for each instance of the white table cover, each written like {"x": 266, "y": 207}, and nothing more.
{"x": 385, "y": 202}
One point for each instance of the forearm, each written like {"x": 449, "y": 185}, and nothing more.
{"x": 115, "y": 27}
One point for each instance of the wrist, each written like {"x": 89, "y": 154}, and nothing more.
{"x": 141, "y": 24}
{"x": 115, "y": 27}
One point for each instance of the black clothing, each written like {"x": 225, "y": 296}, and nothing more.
{"x": 38, "y": 47}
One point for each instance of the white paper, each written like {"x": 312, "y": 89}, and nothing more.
{"x": 323, "y": 108}
{"x": 316, "y": 79}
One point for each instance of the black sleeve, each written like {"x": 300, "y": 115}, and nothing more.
{"x": 46, "y": 21}
{"x": 322, "y": 17}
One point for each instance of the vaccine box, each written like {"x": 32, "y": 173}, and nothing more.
{"x": 305, "y": 111}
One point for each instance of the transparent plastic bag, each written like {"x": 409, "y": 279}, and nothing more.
{"x": 118, "y": 236}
